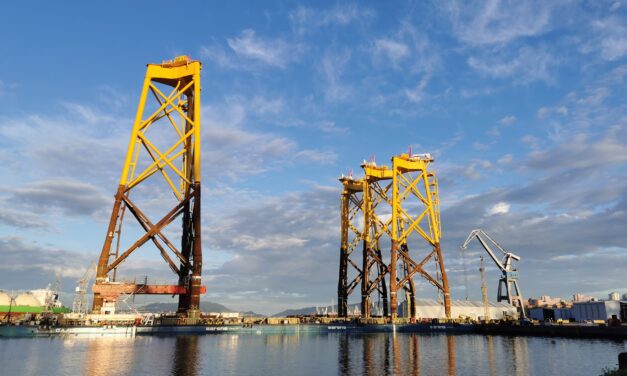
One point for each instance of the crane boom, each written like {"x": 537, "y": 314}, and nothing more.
{"x": 508, "y": 283}
{"x": 478, "y": 234}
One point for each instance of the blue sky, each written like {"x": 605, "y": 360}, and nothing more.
{"x": 522, "y": 105}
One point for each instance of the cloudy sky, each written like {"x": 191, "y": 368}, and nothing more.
{"x": 522, "y": 105}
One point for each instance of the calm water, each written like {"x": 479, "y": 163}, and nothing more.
{"x": 328, "y": 354}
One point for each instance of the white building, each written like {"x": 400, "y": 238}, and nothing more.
{"x": 582, "y": 298}
{"x": 545, "y": 301}
{"x": 429, "y": 308}
{"x": 614, "y": 296}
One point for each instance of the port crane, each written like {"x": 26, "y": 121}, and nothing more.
{"x": 80, "y": 297}
{"x": 508, "y": 283}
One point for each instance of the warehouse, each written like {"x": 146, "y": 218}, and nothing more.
{"x": 429, "y": 308}
{"x": 599, "y": 310}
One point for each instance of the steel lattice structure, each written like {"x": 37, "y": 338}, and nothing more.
{"x": 409, "y": 190}
{"x": 380, "y": 180}
{"x": 179, "y": 166}
{"x": 416, "y": 213}
{"x": 352, "y": 236}
{"x": 356, "y": 206}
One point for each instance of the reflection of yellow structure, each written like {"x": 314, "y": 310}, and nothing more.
{"x": 450, "y": 342}
{"x": 396, "y": 355}
{"x": 185, "y": 360}
{"x": 520, "y": 355}
{"x": 108, "y": 356}
{"x": 414, "y": 354}
{"x": 344, "y": 356}
{"x": 368, "y": 361}
{"x": 490, "y": 341}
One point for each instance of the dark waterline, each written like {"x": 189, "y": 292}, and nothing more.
{"x": 328, "y": 354}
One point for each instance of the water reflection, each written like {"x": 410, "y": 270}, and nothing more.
{"x": 414, "y": 355}
{"x": 450, "y": 342}
{"x": 490, "y": 343}
{"x": 518, "y": 348}
{"x": 343, "y": 355}
{"x": 107, "y": 356}
{"x": 367, "y": 356}
{"x": 395, "y": 354}
{"x": 185, "y": 359}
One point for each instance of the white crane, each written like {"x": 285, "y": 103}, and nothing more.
{"x": 508, "y": 284}
{"x": 80, "y": 298}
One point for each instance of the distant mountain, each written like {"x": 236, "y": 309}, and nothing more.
{"x": 252, "y": 314}
{"x": 296, "y": 312}
{"x": 171, "y": 307}
{"x": 311, "y": 310}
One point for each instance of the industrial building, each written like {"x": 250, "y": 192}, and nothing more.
{"x": 614, "y": 296}
{"x": 600, "y": 310}
{"x": 26, "y": 303}
{"x": 583, "y": 311}
{"x": 429, "y": 308}
{"x": 22, "y": 303}
{"x": 550, "y": 314}
{"x": 545, "y": 301}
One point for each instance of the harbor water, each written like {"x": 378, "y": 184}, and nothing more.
{"x": 308, "y": 354}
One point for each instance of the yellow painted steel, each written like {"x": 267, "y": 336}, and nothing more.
{"x": 359, "y": 199}
{"x": 411, "y": 178}
{"x": 352, "y": 237}
{"x": 177, "y": 160}
{"x": 411, "y": 191}
{"x": 352, "y": 207}
{"x": 184, "y": 76}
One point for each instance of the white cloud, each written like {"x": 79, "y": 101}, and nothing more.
{"x": 331, "y": 67}
{"x": 331, "y": 127}
{"x": 499, "y": 208}
{"x": 231, "y": 149}
{"x": 248, "y": 50}
{"x": 304, "y": 19}
{"x": 498, "y": 22}
{"x": 474, "y": 169}
{"x": 275, "y": 52}
{"x": 417, "y": 94}
{"x": 545, "y": 111}
{"x": 273, "y": 241}
{"x": 318, "y": 156}
{"x": 505, "y": 159}
{"x": 3, "y": 89}
{"x": 611, "y": 38}
{"x": 21, "y": 218}
{"x": 581, "y": 152}
{"x": 216, "y": 53}
{"x": 72, "y": 197}
{"x": 525, "y": 66}
{"x": 393, "y": 50}
{"x": 267, "y": 106}
{"x": 507, "y": 120}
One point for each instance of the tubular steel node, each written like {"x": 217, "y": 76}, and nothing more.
{"x": 176, "y": 159}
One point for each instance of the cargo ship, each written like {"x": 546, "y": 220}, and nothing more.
{"x": 17, "y": 331}
{"x": 262, "y": 329}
